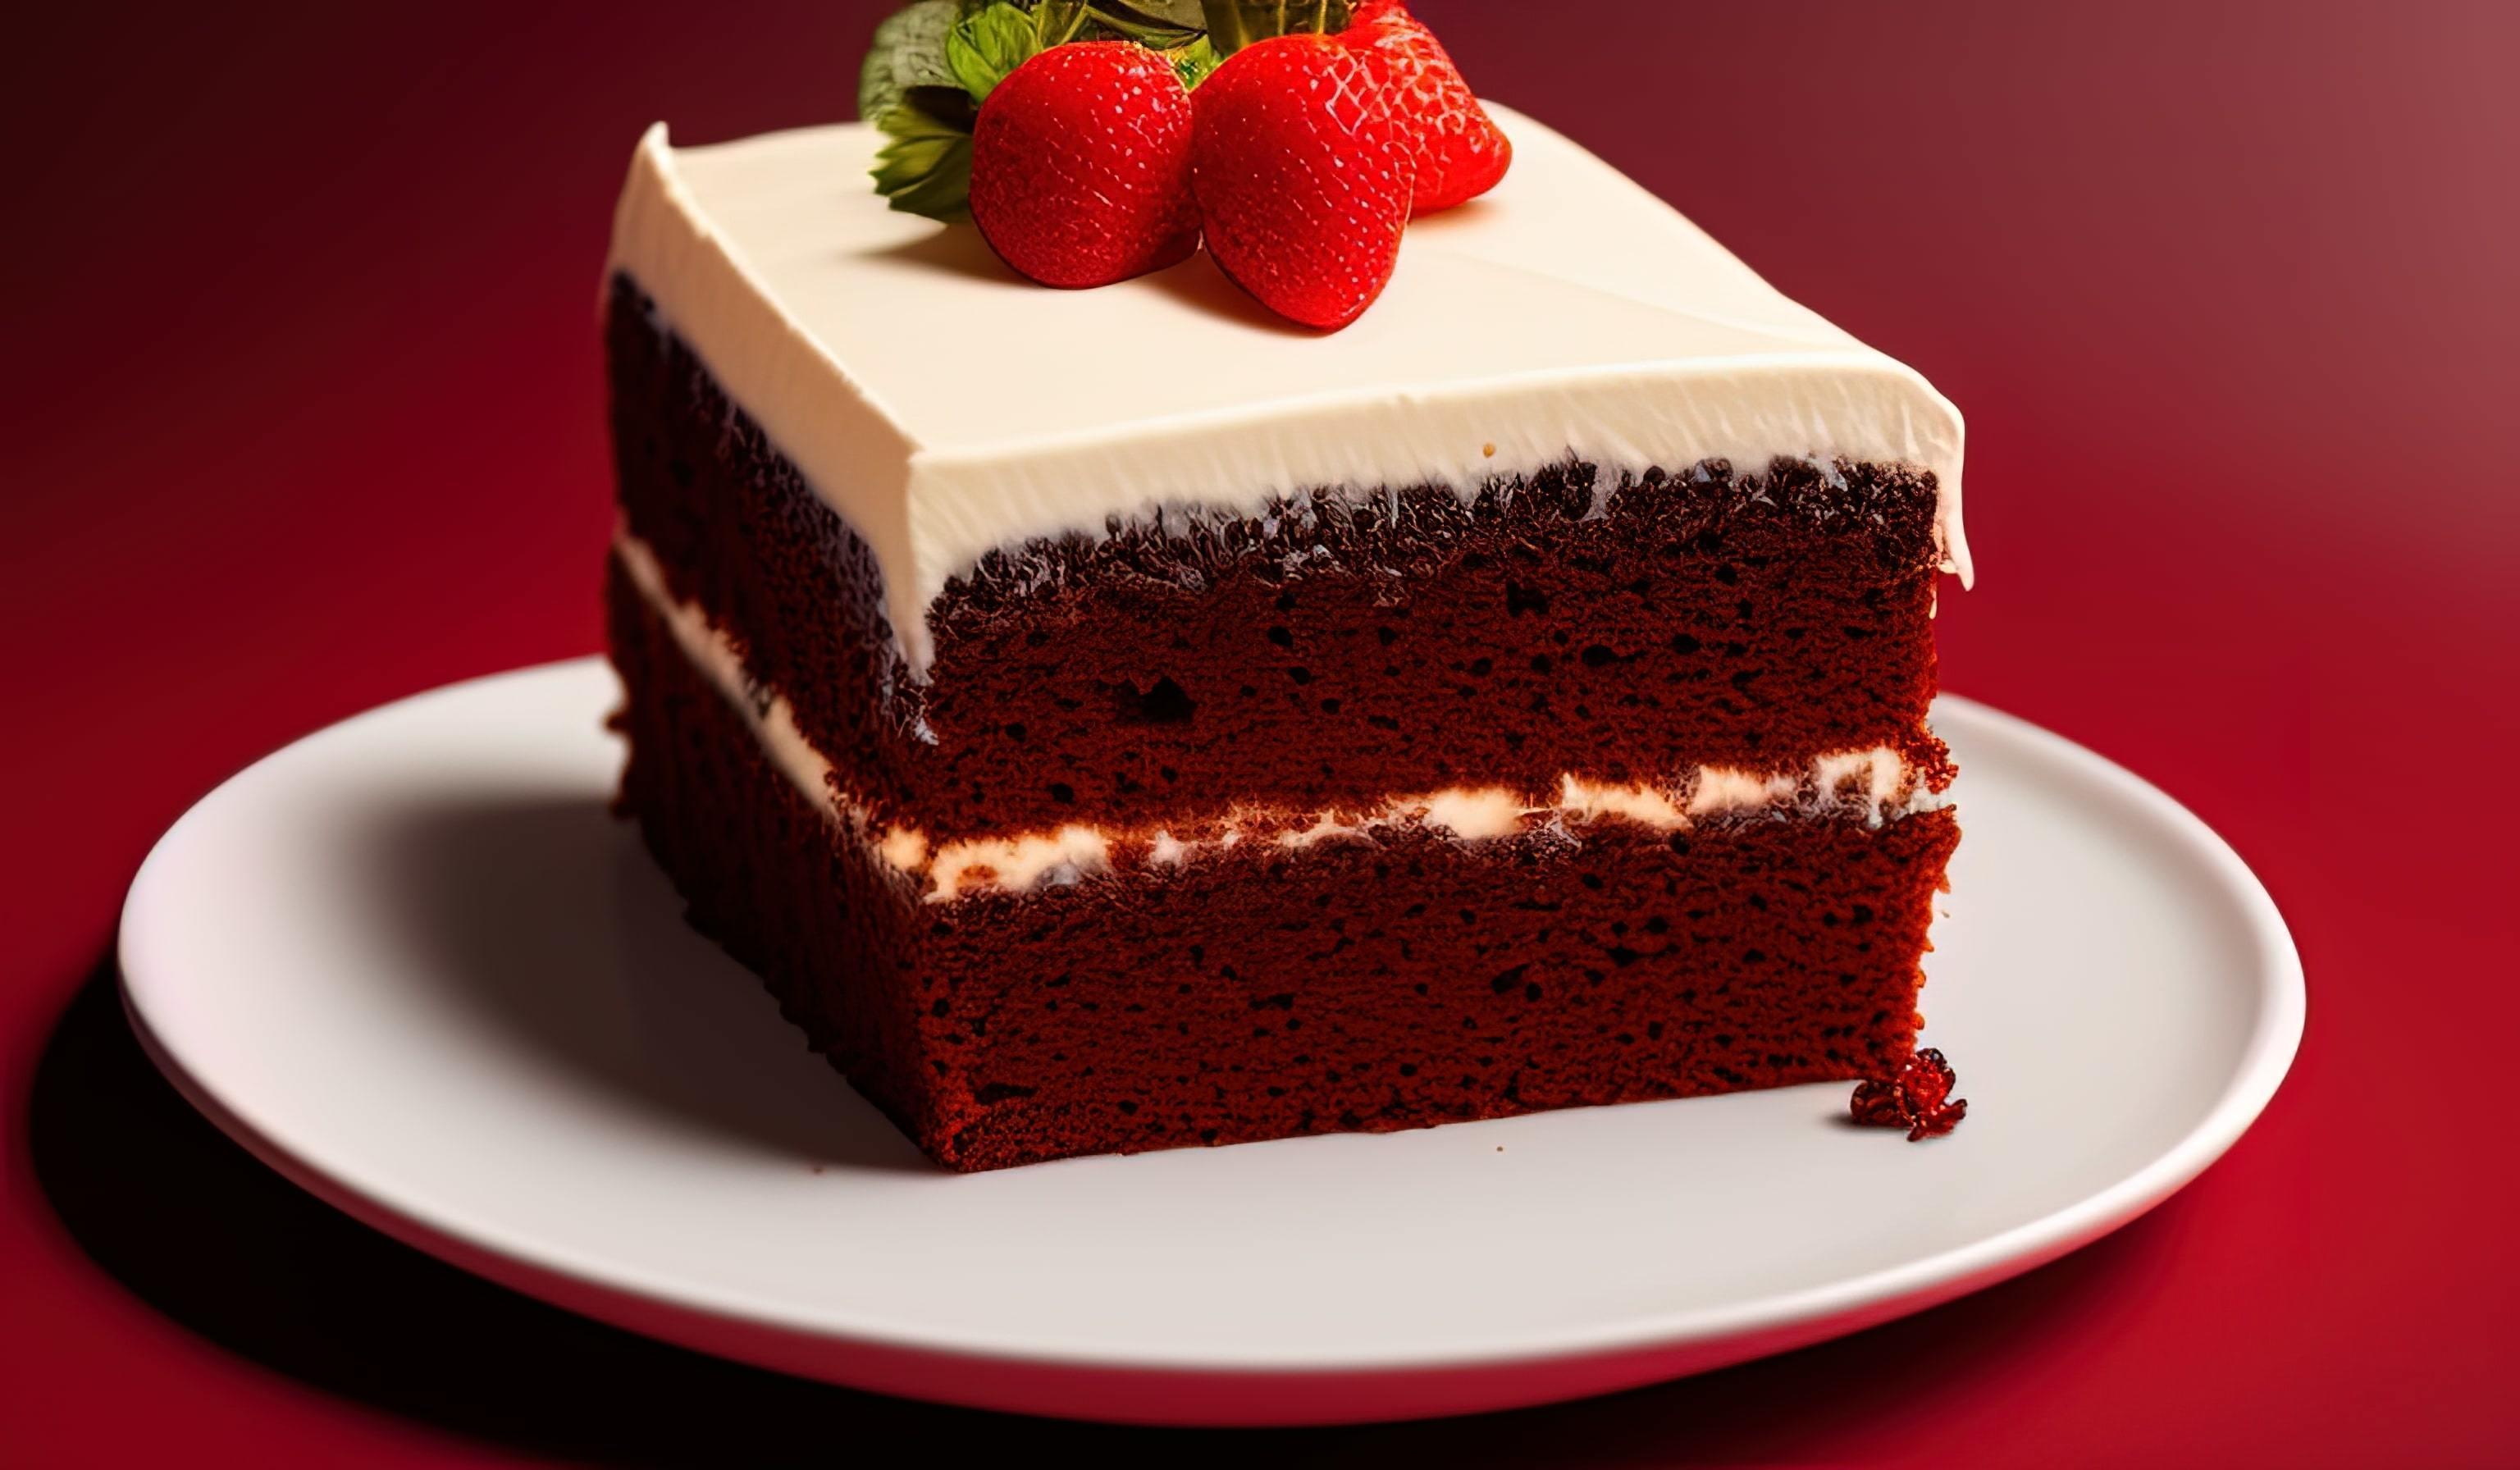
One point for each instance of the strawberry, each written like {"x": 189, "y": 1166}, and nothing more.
{"x": 1303, "y": 177}
{"x": 1080, "y": 165}
{"x": 1461, "y": 152}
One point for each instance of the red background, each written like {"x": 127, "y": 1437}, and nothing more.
{"x": 302, "y": 398}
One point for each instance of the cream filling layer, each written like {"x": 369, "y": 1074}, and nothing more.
{"x": 1878, "y": 782}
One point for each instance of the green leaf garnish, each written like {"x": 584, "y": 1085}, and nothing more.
{"x": 1163, "y": 24}
{"x": 908, "y": 51}
{"x": 1058, "y": 22}
{"x": 924, "y": 166}
{"x": 983, "y": 49}
{"x": 1232, "y": 25}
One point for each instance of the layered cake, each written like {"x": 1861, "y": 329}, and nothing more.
{"x": 1118, "y": 719}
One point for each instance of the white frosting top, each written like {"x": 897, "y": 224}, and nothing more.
{"x": 945, "y": 407}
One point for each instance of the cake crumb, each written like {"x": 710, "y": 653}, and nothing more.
{"x": 1919, "y": 1099}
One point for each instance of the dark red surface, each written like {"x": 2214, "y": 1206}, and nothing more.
{"x": 303, "y": 414}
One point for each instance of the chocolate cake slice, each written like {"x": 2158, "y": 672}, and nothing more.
{"x": 1114, "y": 720}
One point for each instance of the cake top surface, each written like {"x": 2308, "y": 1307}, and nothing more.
{"x": 946, "y": 407}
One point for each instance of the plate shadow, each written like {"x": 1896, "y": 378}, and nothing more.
{"x": 203, "y": 1232}
{"x": 953, "y": 251}
{"x": 544, "y": 915}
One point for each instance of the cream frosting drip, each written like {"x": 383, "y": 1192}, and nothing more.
{"x": 1880, "y": 782}
{"x": 944, "y": 408}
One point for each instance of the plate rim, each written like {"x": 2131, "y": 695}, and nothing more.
{"x": 765, "y": 1331}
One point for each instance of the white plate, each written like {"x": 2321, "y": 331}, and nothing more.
{"x": 413, "y": 963}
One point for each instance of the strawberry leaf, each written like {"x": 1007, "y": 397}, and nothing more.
{"x": 908, "y": 51}
{"x": 1232, "y": 25}
{"x": 1058, "y": 22}
{"x": 1164, "y": 24}
{"x": 924, "y": 166}
{"x": 983, "y": 49}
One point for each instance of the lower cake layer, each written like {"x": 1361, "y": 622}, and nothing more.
{"x": 1368, "y": 985}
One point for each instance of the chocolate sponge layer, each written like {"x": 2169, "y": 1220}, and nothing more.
{"x": 1355, "y": 985}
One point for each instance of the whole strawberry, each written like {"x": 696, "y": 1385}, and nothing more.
{"x": 1461, "y": 153}
{"x": 1080, "y": 165}
{"x": 1303, "y": 177}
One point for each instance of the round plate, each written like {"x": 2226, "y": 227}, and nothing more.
{"x": 414, "y": 964}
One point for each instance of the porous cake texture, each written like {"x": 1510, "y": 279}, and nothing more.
{"x": 1584, "y": 762}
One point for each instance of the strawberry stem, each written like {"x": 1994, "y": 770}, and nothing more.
{"x": 1232, "y": 25}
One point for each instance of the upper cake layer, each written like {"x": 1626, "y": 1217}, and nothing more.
{"x": 945, "y": 408}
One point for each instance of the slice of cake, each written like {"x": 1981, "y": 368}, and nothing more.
{"x": 1115, "y": 719}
